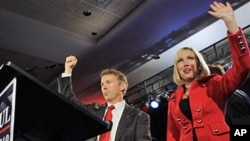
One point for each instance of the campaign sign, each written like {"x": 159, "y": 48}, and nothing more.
{"x": 7, "y": 111}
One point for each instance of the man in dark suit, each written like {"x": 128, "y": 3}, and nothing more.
{"x": 129, "y": 124}
{"x": 238, "y": 106}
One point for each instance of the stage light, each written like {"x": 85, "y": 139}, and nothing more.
{"x": 154, "y": 103}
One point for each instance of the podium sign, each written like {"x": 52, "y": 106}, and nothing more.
{"x": 7, "y": 111}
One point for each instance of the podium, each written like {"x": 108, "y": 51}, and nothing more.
{"x": 35, "y": 112}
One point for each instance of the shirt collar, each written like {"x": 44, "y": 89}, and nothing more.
{"x": 119, "y": 104}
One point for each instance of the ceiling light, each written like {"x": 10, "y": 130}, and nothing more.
{"x": 87, "y": 13}
{"x": 93, "y": 33}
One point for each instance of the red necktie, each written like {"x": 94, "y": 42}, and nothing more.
{"x": 108, "y": 117}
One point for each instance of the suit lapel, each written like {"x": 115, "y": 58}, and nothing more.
{"x": 123, "y": 122}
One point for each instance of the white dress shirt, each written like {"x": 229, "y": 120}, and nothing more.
{"x": 117, "y": 113}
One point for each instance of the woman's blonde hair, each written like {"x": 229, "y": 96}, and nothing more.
{"x": 203, "y": 69}
{"x": 216, "y": 69}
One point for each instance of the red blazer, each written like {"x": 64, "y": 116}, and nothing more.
{"x": 207, "y": 99}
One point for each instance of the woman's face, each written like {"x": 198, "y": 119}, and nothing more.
{"x": 187, "y": 65}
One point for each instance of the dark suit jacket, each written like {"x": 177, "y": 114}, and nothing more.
{"x": 238, "y": 109}
{"x": 134, "y": 124}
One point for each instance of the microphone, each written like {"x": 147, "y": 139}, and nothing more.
{"x": 47, "y": 67}
{"x": 52, "y": 66}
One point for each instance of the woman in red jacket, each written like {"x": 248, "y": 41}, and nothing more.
{"x": 195, "y": 109}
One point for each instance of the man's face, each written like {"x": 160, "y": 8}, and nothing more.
{"x": 111, "y": 88}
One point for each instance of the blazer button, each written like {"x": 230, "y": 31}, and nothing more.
{"x": 239, "y": 38}
{"x": 203, "y": 84}
{"x": 241, "y": 43}
{"x": 199, "y": 121}
{"x": 216, "y": 130}
{"x": 185, "y": 127}
{"x": 198, "y": 109}
{"x": 243, "y": 49}
{"x": 178, "y": 119}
